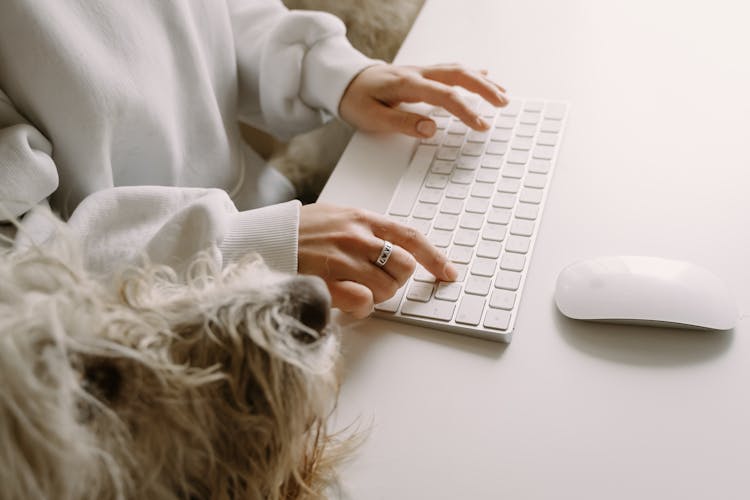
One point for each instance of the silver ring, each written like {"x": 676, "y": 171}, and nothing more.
{"x": 385, "y": 253}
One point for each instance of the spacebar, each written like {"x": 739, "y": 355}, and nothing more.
{"x": 408, "y": 188}
{"x": 434, "y": 309}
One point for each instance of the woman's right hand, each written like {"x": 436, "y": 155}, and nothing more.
{"x": 341, "y": 245}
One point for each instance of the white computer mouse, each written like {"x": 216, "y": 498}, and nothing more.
{"x": 645, "y": 290}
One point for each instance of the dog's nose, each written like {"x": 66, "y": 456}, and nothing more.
{"x": 313, "y": 301}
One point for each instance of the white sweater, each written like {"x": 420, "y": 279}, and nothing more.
{"x": 123, "y": 115}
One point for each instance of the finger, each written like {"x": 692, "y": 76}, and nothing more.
{"x": 400, "y": 265}
{"x": 415, "y": 242}
{"x": 470, "y": 80}
{"x": 445, "y": 96}
{"x": 405, "y": 122}
{"x": 351, "y": 297}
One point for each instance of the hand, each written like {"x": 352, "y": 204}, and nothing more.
{"x": 342, "y": 244}
{"x": 370, "y": 103}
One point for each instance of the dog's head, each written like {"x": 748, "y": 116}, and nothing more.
{"x": 216, "y": 384}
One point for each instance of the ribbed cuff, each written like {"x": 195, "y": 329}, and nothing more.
{"x": 272, "y": 232}
{"x": 328, "y": 69}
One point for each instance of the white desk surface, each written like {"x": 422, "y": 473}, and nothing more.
{"x": 655, "y": 161}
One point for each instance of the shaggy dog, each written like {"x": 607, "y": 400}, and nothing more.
{"x": 214, "y": 385}
{"x": 376, "y": 28}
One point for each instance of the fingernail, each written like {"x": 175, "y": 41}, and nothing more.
{"x": 450, "y": 272}
{"x": 426, "y": 128}
{"x": 481, "y": 123}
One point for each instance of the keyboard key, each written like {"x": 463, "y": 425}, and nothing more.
{"x": 472, "y": 221}
{"x": 522, "y": 143}
{"x": 530, "y": 117}
{"x": 437, "y": 181}
{"x": 522, "y": 227}
{"x": 460, "y": 254}
{"x": 467, "y": 162}
{"x": 517, "y": 156}
{"x": 457, "y": 127}
{"x": 453, "y": 141}
{"x": 509, "y": 185}
{"x": 462, "y": 177}
{"x": 445, "y": 221}
{"x": 489, "y": 249}
{"x": 466, "y": 237}
{"x": 551, "y": 126}
{"x": 458, "y": 191}
{"x": 511, "y": 109}
{"x": 482, "y": 190}
{"x": 514, "y": 171}
{"x": 442, "y": 167}
{"x": 497, "y": 148}
{"x": 470, "y": 311}
{"x": 526, "y": 130}
{"x": 512, "y": 262}
{"x": 483, "y": 267}
{"x": 420, "y": 291}
{"x": 505, "y": 122}
{"x": 503, "y": 299}
{"x": 531, "y": 195}
{"x": 547, "y": 139}
{"x": 494, "y": 232}
{"x": 527, "y": 211}
{"x": 473, "y": 149}
{"x": 440, "y": 238}
{"x": 508, "y": 280}
{"x": 430, "y": 195}
{"x": 517, "y": 244}
{"x": 478, "y": 285}
{"x": 536, "y": 106}
{"x": 504, "y": 200}
{"x": 424, "y": 210}
{"x": 441, "y": 310}
{"x": 501, "y": 135}
{"x": 544, "y": 152}
{"x": 477, "y": 205}
{"x": 452, "y": 206}
{"x": 488, "y": 175}
{"x": 478, "y": 136}
{"x": 497, "y": 319}
{"x": 448, "y": 291}
{"x": 499, "y": 215}
{"x": 447, "y": 153}
{"x": 535, "y": 181}
{"x": 492, "y": 161}
{"x": 540, "y": 166}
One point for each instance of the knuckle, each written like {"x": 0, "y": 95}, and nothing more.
{"x": 410, "y": 265}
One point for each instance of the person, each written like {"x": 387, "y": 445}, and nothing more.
{"x": 123, "y": 117}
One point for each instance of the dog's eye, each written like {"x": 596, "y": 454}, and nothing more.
{"x": 103, "y": 380}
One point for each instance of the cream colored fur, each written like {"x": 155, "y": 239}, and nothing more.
{"x": 375, "y": 27}
{"x": 213, "y": 385}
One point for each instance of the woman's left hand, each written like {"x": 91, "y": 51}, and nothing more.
{"x": 370, "y": 103}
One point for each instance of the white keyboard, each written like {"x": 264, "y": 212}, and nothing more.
{"x": 479, "y": 196}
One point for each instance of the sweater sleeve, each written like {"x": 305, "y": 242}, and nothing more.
{"x": 170, "y": 225}
{"x": 27, "y": 172}
{"x": 293, "y": 66}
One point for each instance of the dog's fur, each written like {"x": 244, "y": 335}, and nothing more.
{"x": 376, "y": 28}
{"x": 152, "y": 386}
